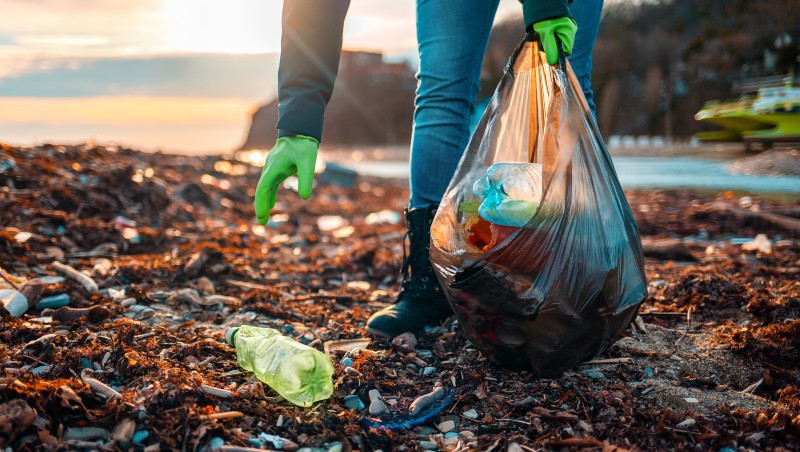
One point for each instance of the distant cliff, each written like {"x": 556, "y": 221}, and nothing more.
{"x": 372, "y": 104}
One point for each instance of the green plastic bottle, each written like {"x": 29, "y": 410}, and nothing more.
{"x": 301, "y": 374}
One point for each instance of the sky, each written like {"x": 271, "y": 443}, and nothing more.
{"x": 174, "y": 75}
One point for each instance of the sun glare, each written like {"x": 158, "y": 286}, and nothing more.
{"x": 233, "y": 26}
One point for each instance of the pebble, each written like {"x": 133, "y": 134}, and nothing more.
{"x": 688, "y": 423}
{"x": 472, "y": 414}
{"x": 352, "y": 402}
{"x": 691, "y": 400}
{"x": 424, "y": 431}
{"x": 428, "y": 370}
{"x": 376, "y": 405}
{"x": 446, "y": 426}
{"x": 405, "y": 341}
{"x": 755, "y": 437}
{"x": 428, "y": 445}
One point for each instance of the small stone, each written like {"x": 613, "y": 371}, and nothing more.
{"x": 472, "y": 414}
{"x": 405, "y": 341}
{"x": 424, "y": 431}
{"x": 279, "y": 423}
{"x": 428, "y": 445}
{"x": 428, "y": 370}
{"x": 675, "y": 358}
{"x": 755, "y": 437}
{"x": 352, "y": 402}
{"x": 691, "y": 400}
{"x": 446, "y": 426}
{"x": 688, "y": 423}
{"x": 466, "y": 434}
{"x": 376, "y": 405}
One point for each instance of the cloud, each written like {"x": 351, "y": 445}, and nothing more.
{"x": 251, "y": 77}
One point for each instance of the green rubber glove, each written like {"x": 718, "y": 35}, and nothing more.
{"x": 291, "y": 155}
{"x": 564, "y": 28}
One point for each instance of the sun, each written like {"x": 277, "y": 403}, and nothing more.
{"x": 214, "y": 26}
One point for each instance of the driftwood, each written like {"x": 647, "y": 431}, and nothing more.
{"x": 667, "y": 249}
{"x": 788, "y": 223}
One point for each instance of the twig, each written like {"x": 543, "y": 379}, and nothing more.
{"x": 608, "y": 361}
{"x": 144, "y": 335}
{"x": 688, "y": 325}
{"x": 87, "y": 282}
{"x": 3, "y": 274}
{"x": 223, "y": 415}
{"x": 752, "y": 387}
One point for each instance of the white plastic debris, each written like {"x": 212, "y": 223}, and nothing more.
{"x": 761, "y": 244}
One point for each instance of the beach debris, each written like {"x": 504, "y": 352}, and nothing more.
{"x": 83, "y": 279}
{"x": 13, "y": 302}
{"x": 383, "y": 217}
{"x": 327, "y": 223}
{"x": 760, "y": 243}
{"x": 67, "y": 315}
{"x": 123, "y": 432}
{"x": 406, "y": 341}
{"x": 376, "y": 405}
{"x": 53, "y": 301}
{"x": 15, "y": 416}
{"x": 353, "y": 402}
{"x": 345, "y": 345}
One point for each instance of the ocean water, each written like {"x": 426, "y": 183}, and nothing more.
{"x": 647, "y": 172}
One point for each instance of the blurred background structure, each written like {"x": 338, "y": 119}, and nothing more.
{"x": 189, "y": 76}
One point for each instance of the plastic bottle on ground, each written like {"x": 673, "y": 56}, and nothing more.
{"x": 301, "y": 374}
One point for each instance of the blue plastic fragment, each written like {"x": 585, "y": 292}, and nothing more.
{"x": 649, "y": 371}
{"x": 353, "y": 402}
{"x": 41, "y": 369}
{"x": 451, "y": 434}
{"x": 141, "y": 435}
{"x": 394, "y": 421}
{"x": 53, "y": 302}
{"x": 288, "y": 328}
{"x": 347, "y": 362}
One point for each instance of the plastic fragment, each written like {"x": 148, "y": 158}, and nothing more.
{"x": 14, "y": 302}
{"x": 53, "y": 302}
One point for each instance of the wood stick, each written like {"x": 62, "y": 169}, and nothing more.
{"x": 223, "y": 415}
{"x": 609, "y": 361}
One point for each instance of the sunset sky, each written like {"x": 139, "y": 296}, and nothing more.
{"x": 179, "y": 75}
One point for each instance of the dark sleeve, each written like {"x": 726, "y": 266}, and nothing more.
{"x": 311, "y": 42}
{"x": 537, "y": 10}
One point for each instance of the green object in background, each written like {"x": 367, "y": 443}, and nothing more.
{"x": 469, "y": 206}
{"x": 291, "y": 155}
{"x": 563, "y": 27}
{"x": 300, "y": 374}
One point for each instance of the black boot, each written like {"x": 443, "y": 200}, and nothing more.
{"x": 421, "y": 302}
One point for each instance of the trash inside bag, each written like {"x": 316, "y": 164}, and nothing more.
{"x": 534, "y": 241}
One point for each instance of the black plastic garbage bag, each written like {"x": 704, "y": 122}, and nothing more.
{"x": 534, "y": 242}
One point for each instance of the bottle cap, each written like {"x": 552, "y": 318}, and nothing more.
{"x": 230, "y": 335}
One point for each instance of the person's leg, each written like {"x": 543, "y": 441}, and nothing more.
{"x": 587, "y": 14}
{"x": 452, "y": 38}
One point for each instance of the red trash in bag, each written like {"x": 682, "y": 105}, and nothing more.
{"x": 534, "y": 242}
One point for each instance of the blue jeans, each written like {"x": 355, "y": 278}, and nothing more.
{"x": 452, "y": 37}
